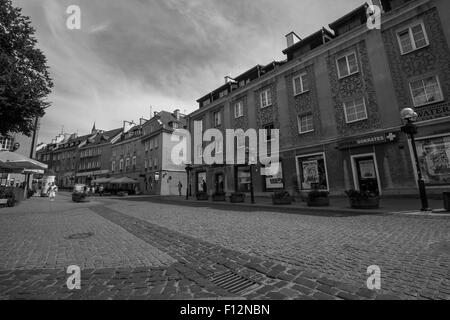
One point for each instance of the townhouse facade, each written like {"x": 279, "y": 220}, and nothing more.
{"x": 336, "y": 100}
{"x": 161, "y": 175}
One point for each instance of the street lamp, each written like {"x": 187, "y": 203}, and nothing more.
{"x": 188, "y": 174}
{"x": 250, "y": 161}
{"x": 410, "y": 116}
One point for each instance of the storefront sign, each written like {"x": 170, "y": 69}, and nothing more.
{"x": 434, "y": 111}
{"x": 387, "y": 137}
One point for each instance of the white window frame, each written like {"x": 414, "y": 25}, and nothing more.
{"x": 217, "y": 114}
{"x": 353, "y": 101}
{"x": 240, "y": 109}
{"x": 348, "y": 65}
{"x": 113, "y": 166}
{"x": 264, "y": 96}
{"x": 133, "y": 161}
{"x": 411, "y": 37}
{"x": 300, "y": 77}
{"x": 299, "y": 118}
{"x": 422, "y": 79}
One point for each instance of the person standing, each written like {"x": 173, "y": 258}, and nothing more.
{"x": 180, "y": 186}
{"x": 52, "y": 191}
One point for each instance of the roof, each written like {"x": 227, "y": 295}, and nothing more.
{"x": 316, "y": 35}
{"x": 352, "y": 14}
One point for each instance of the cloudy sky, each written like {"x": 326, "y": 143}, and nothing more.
{"x": 133, "y": 54}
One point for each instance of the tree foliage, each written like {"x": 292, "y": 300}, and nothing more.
{"x": 24, "y": 78}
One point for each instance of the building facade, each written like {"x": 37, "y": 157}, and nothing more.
{"x": 336, "y": 100}
{"x": 161, "y": 175}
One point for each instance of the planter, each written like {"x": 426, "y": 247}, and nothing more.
{"x": 237, "y": 198}
{"x": 219, "y": 197}
{"x": 318, "y": 202}
{"x": 3, "y": 202}
{"x": 79, "y": 197}
{"x": 281, "y": 201}
{"x": 361, "y": 203}
{"x": 202, "y": 196}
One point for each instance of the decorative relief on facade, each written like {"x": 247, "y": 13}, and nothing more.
{"x": 267, "y": 115}
{"x": 431, "y": 60}
{"x": 354, "y": 86}
{"x": 303, "y": 104}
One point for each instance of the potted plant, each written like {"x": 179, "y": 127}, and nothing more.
{"x": 219, "y": 196}
{"x": 363, "y": 199}
{"x": 318, "y": 198}
{"x": 281, "y": 197}
{"x": 201, "y": 195}
{"x": 237, "y": 197}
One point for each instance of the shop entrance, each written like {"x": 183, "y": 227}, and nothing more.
{"x": 365, "y": 173}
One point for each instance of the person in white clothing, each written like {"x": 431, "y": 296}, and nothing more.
{"x": 52, "y": 192}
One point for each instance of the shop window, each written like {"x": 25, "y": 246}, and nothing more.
{"x": 312, "y": 172}
{"x": 243, "y": 179}
{"x": 434, "y": 159}
{"x": 201, "y": 182}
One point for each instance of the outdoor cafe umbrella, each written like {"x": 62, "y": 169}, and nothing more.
{"x": 123, "y": 180}
{"x": 102, "y": 180}
{"x": 18, "y": 162}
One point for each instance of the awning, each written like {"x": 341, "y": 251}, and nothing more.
{"x": 123, "y": 180}
{"x": 18, "y": 162}
{"x": 102, "y": 180}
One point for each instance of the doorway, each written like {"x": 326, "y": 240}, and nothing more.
{"x": 365, "y": 173}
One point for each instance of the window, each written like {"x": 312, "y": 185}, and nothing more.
{"x": 312, "y": 172}
{"x": 113, "y": 166}
{"x": 217, "y": 118}
{"x": 305, "y": 123}
{"x": 219, "y": 145}
{"x": 145, "y": 164}
{"x": 133, "y": 161}
{"x": 268, "y": 131}
{"x": 300, "y": 84}
{"x": 146, "y": 146}
{"x": 266, "y": 98}
{"x": 127, "y": 163}
{"x": 155, "y": 163}
{"x": 238, "y": 109}
{"x": 412, "y": 38}
{"x": 121, "y": 165}
{"x": 5, "y": 143}
{"x": 175, "y": 125}
{"x": 151, "y": 144}
{"x": 347, "y": 65}
{"x": 156, "y": 142}
{"x": 355, "y": 110}
{"x": 426, "y": 91}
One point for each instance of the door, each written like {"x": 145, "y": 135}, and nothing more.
{"x": 366, "y": 174}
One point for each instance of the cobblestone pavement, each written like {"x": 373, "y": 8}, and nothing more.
{"x": 141, "y": 250}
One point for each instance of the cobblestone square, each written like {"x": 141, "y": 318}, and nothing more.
{"x": 149, "y": 250}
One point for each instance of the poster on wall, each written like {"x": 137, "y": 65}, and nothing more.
{"x": 275, "y": 181}
{"x": 367, "y": 169}
{"x": 312, "y": 172}
{"x": 434, "y": 159}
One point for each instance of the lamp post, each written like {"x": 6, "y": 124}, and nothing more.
{"x": 410, "y": 116}
{"x": 188, "y": 175}
{"x": 250, "y": 162}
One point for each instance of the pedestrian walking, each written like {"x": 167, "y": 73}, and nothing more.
{"x": 52, "y": 191}
{"x": 180, "y": 186}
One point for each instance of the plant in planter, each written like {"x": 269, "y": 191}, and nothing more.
{"x": 281, "y": 197}
{"x": 363, "y": 199}
{"x": 219, "y": 196}
{"x": 201, "y": 195}
{"x": 318, "y": 198}
{"x": 237, "y": 197}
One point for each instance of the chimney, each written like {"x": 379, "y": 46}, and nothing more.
{"x": 292, "y": 38}
{"x": 155, "y": 113}
{"x": 177, "y": 114}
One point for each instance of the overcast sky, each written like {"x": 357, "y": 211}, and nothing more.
{"x": 133, "y": 54}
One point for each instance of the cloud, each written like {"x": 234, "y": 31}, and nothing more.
{"x": 130, "y": 55}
